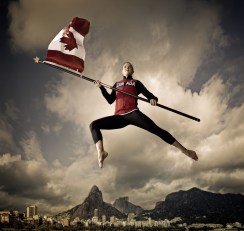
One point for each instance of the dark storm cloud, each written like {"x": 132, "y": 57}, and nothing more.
{"x": 26, "y": 179}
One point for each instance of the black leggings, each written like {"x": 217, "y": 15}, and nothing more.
{"x": 136, "y": 118}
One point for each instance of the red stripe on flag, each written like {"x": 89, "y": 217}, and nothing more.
{"x": 65, "y": 60}
{"x": 80, "y": 25}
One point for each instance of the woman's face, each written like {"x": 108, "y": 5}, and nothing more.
{"x": 127, "y": 70}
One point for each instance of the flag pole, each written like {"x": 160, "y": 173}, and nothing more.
{"x": 78, "y": 74}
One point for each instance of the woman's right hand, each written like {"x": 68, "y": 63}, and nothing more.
{"x": 97, "y": 83}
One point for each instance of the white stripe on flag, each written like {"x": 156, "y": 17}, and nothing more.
{"x": 59, "y": 46}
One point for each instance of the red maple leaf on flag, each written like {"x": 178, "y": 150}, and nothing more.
{"x": 69, "y": 41}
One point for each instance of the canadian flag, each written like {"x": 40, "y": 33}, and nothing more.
{"x": 66, "y": 49}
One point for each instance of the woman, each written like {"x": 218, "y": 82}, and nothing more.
{"x": 127, "y": 113}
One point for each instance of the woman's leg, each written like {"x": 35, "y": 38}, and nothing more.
{"x": 101, "y": 153}
{"x": 139, "y": 119}
{"x": 107, "y": 123}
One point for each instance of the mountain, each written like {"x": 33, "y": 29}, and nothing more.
{"x": 124, "y": 206}
{"x": 92, "y": 202}
{"x": 196, "y": 205}
{"x": 193, "y": 206}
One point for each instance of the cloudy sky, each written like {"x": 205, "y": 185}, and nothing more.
{"x": 190, "y": 54}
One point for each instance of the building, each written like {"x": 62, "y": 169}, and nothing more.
{"x": 66, "y": 222}
{"x": 94, "y": 220}
{"x": 31, "y": 211}
{"x": 95, "y": 212}
{"x": 112, "y": 219}
{"x": 104, "y": 218}
{"x": 5, "y": 216}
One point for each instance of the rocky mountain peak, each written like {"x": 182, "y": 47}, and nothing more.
{"x": 94, "y": 189}
{"x": 93, "y": 201}
{"x": 95, "y": 192}
{"x": 124, "y": 206}
{"x": 95, "y": 197}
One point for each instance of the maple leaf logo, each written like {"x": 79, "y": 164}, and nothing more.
{"x": 69, "y": 41}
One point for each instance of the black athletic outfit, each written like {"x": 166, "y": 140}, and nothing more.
{"x": 127, "y": 112}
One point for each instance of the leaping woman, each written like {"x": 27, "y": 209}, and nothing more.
{"x": 127, "y": 113}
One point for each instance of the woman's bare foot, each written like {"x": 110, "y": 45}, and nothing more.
{"x": 101, "y": 157}
{"x": 191, "y": 154}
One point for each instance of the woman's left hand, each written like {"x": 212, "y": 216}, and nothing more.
{"x": 153, "y": 102}
{"x": 66, "y": 31}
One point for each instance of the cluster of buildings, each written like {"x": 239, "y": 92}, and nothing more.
{"x": 31, "y": 217}
{"x": 8, "y": 216}
{"x": 14, "y": 217}
{"x": 115, "y": 222}
{"x": 131, "y": 221}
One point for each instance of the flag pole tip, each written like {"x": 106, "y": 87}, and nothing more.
{"x": 36, "y": 59}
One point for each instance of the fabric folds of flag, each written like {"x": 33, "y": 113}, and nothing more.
{"x": 66, "y": 49}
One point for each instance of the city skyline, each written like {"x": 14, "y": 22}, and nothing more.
{"x": 17, "y": 221}
{"x": 188, "y": 53}
{"x": 95, "y": 215}
{"x": 201, "y": 214}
